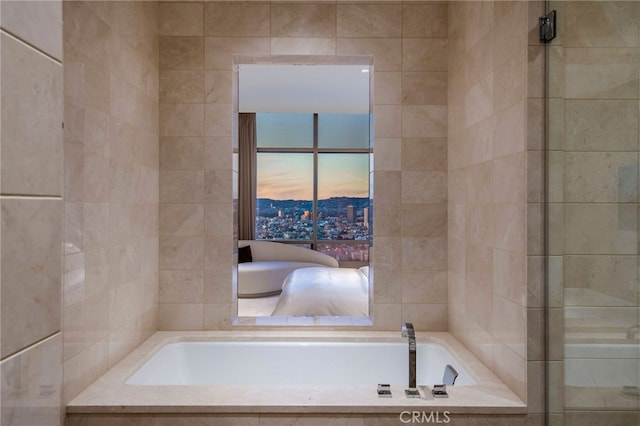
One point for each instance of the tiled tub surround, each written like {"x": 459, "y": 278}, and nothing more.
{"x": 409, "y": 44}
{"x": 111, "y": 395}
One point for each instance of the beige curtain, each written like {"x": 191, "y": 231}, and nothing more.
{"x": 247, "y": 157}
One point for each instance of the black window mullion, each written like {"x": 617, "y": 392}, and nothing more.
{"x": 314, "y": 205}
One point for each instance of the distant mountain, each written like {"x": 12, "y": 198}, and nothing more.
{"x": 328, "y": 207}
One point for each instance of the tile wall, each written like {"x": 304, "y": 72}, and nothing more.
{"x": 111, "y": 180}
{"x": 495, "y": 189}
{"x": 409, "y": 43}
{"x": 31, "y": 201}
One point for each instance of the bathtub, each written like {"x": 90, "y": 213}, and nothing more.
{"x": 268, "y": 372}
{"x": 296, "y": 363}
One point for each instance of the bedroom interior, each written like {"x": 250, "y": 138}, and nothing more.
{"x": 283, "y": 89}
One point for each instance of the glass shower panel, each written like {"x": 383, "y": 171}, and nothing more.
{"x": 593, "y": 299}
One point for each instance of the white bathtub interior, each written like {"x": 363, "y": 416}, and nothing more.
{"x": 295, "y": 363}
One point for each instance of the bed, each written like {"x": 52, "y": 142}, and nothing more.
{"x": 321, "y": 291}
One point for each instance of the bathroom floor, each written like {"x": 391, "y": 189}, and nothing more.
{"x": 257, "y": 307}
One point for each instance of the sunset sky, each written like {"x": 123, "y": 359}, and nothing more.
{"x": 284, "y": 176}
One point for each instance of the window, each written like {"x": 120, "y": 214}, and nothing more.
{"x": 312, "y": 184}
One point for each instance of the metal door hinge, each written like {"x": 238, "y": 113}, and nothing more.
{"x": 547, "y": 27}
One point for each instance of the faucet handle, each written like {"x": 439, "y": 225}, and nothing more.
{"x": 407, "y": 329}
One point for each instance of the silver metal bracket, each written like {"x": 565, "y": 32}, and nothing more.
{"x": 439, "y": 391}
{"x": 547, "y": 27}
{"x": 412, "y": 393}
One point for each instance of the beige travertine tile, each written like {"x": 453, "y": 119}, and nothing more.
{"x": 32, "y": 105}
{"x": 181, "y": 53}
{"x": 418, "y": 56}
{"x": 536, "y": 110}
{"x": 512, "y": 370}
{"x": 424, "y": 88}
{"x": 303, "y": 46}
{"x": 509, "y": 324}
{"x": 556, "y": 72}
{"x": 218, "y": 186}
{"x": 510, "y": 276}
{"x": 535, "y": 281}
{"x": 424, "y": 121}
{"x": 591, "y": 177}
{"x": 424, "y": 187}
{"x": 600, "y": 228}
{"x": 478, "y": 102}
{"x": 387, "y": 154}
{"x": 39, "y": 23}
{"x": 424, "y": 287}
{"x": 180, "y": 316}
{"x": 601, "y": 73}
{"x": 388, "y": 121}
{"x": 180, "y": 19}
{"x": 535, "y": 222}
{"x": 239, "y": 19}
{"x": 600, "y": 125}
{"x": 536, "y": 176}
{"x": 182, "y": 120}
{"x": 73, "y": 227}
{"x": 182, "y": 87}
{"x": 601, "y": 24}
{"x": 535, "y": 334}
{"x": 478, "y": 20}
{"x": 509, "y": 184}
{"x": 218, "y": 119}
{"x": 217, "y": 316}
{"x": 303, "y": 20}
{"x": 32, "y": 385}
{"x": 182, "y": 253}
{"x": 219, "y": 51}
{"x": 509, "y": 33}
{"x": 181, "y": 286}
{"x": 424, "y": 154}
{"x": 387, "y": 315}
{"x": 424, "y": 254}
{"x": 96, "y": 225}
{"x": 180, "y": 153}
{"x": 509, "y": 88}
{"x": 310, "y": 420}
{"x": 424, "y": 20}
{"x": 217, "y": 285}
{"x": 218, "y": 252}
{"x": 369, "y": 20}
{"x": 217, "y": 152}
{"x": 219, "y": 219}
{"x": 387, "y": 88}
{"x": 478, "y": 64}
{"x": 31, "y": 272}
{"x": 387, "y": 52}
{"x": 181, "y": 220}
{"x": 595, "y": 418}
{"x": 387, "y": 223}
{"x": 428, "y": 316}
{"x": 424, "y": 220}
{"x": 218, "y": 87}
{"x": 510, "y": 227}
{"x": 390, "y": 288}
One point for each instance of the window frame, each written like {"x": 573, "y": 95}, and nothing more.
{"x": 316, "y": 151}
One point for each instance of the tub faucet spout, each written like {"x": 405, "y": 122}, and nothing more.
{"x": 632, "y": 331}
{"x": 408, "y": 331}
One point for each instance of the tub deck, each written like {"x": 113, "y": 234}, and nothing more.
{"x": 110, "y": 394}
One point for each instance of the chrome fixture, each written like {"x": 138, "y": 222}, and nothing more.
{"x": 632, "y": 331}
{"x": 408, "y": 331}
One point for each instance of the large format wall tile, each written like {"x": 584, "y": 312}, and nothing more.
{"x": 32, "y": 385}
{"x": 39, "y": 23}
{"x": 31, "y": 271}
{"x": 31, "y": 121}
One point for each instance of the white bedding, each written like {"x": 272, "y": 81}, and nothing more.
{"x": 321, "y": 291}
